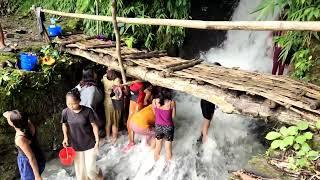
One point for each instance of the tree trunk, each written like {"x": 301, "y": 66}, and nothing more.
{"x": 118, "y": 44}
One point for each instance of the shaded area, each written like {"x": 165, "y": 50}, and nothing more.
{"x": 197, "y": 40}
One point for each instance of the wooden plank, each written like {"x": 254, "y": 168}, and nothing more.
{"x": 225, "y": 99}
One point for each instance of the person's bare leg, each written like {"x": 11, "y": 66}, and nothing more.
{"x": 205, "y": 128}
{"x": 108, "y": 130}
{"x": 114, "y": 134}
{"x": 158, "y": 149}
{"x": 168, "y": 146}
{"x": 152, "y": 143}
{"x": 2, "y": 44}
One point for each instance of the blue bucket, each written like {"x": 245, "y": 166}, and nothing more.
{"x": 54, "y": 30}
{"x": 28, "y": 61}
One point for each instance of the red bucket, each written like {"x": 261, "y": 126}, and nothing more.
{"x": 67, "y": 156}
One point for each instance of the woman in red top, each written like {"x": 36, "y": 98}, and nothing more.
{"x": 137, "y": 96}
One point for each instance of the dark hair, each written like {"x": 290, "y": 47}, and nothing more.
{"x": 112, "y": 74}
{"x": 217, "y": 64}
{"x": 20, "y": 121}
{"x": 75, "y": 94}
{"x": 87, "y": 77}
{"x": 164, "y": 94}
{"x": 146, "y": 85}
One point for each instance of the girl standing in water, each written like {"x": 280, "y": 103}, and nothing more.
{"x": 31, "y": 161}
{"x": 165, "y": 110}
{"x": 113, "y": 103}
{"x": 84, "y": 136}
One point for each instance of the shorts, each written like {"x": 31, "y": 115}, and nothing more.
{"x": 142, "y": 131}
{"x": 207, "y": 109}
{"x": 85, "y": 164}
{"x": 25, "y": 169}
{"x": 164, "y": 132}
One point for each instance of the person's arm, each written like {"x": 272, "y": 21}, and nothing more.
{"x": 25, "y": 147}
{"x": 64, "y": 129}
{"x": 173, "y": 105}
{"x": 153, "y": 106}
{"x": 96, "y": 135}
{"x": 147, "y": 97}
{"x": 93, "y": 119}
{"x": 65, "y": 135}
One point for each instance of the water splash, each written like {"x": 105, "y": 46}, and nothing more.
{"x": 248, "y": 50}
{"x": 232, "y": 140}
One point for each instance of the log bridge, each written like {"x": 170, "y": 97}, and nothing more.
{"x": 263, "y": 96}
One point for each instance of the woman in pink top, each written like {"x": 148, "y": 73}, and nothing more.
{"x": 165, "y": 110}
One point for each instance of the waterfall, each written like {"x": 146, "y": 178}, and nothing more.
{"x": 232, "y": 140}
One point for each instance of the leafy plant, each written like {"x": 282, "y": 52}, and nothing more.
{"x": 295, "y": 139}
{"x": 298, "y": 42}
{"x": 14, "y": 80}
{"x": 151, "y": 37}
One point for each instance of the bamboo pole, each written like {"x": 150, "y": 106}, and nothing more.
{"x": 97, "y": 13}
{"x": 210, "y": 25}
{"x": 118, "y": 45}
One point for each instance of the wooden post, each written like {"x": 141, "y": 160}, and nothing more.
{"x": 2, "y": 44}
{"x": 118, "y": 45}
{"x": 97, "y": 13}
{"x": 42, "y": 29}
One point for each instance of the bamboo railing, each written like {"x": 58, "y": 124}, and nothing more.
{"x": 198, "y": 24}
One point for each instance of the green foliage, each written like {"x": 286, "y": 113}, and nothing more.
{"x": 296, "y": 139}
{"x": 14, "y": 80}
{"x": 151, "y": 37}
{"x": 297, "y": 42}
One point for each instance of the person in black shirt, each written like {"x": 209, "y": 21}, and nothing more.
{"x": 84, "y": 136}
{"x": 207, "y": 109}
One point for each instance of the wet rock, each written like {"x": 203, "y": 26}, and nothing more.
{"x": 259, "y": 166}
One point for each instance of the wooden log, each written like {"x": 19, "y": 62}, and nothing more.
{"x": 118, "y": 43}
{"x": 169, "y": 71}
{"x": 184, "y": 66}
{"x": 225, "y": 99}
{"x": 211, "y": 25}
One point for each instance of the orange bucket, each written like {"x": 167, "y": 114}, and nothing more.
{"x": 67, "y": 156}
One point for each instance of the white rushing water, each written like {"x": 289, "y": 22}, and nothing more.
{"x": 229, "y": 147}
{"x": 248, "y": 50}
{"x": 232, "y": 140}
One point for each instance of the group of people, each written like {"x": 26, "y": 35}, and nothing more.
{"x": 150, "y": 110}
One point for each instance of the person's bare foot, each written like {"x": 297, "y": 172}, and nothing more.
{"x": 204, "y": 139}
{"x": 113, "y": 140}
{"x": 100, "y": 175}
